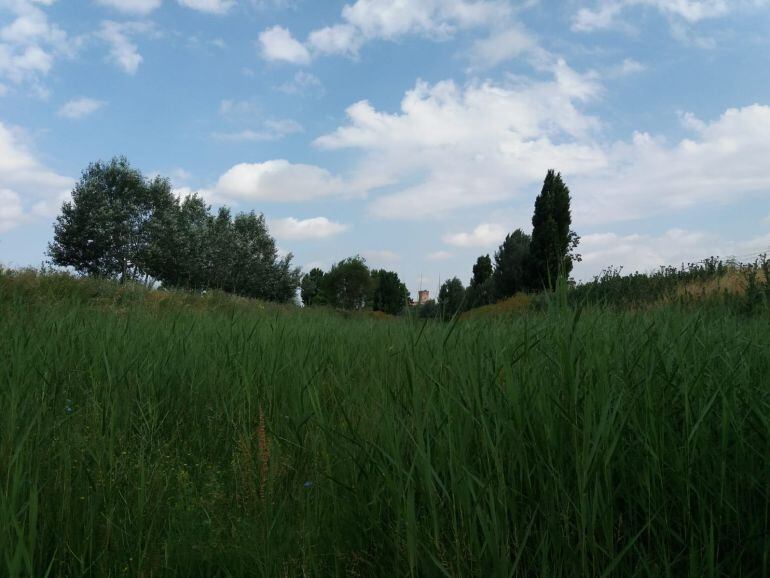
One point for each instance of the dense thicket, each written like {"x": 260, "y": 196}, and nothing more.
{"x": 121, "y": 225}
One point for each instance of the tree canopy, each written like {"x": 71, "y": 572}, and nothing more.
{"x": 121, "y": 225}
{"x": 552, "y": 239}
{"x": 451, "y": 297}
{"x": 348, "y": 284}
{"x": 512, "y": 265}
{"x": 390, "y": 294}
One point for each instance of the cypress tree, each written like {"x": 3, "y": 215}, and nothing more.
{"x": 552, "y": 239}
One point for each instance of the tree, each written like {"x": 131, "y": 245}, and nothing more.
{"x": 178, "y": 247}
{"x": 348, "y": 284}
{"x": 553, "y": 242}
{"x": 311, "y": 288}
{"x": 481, "y": 291}
{"x": 482, "y": 271}
{"x": 512, "y": 265}
{"x": 103, "y": 230}
{"x": 390, "y": 295}
{"x": 451, "y": 297}
{"x": 257, "y": 271}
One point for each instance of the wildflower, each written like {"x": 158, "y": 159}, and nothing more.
{"x": 68, "y": 409}
{"x": 307, "y": 485}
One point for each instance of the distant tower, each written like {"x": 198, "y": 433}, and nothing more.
{"x": 424, "y": 297}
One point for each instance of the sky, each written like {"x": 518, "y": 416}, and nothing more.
{"x": 416, "y": 133}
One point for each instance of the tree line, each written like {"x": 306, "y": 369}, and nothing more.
{"x": 522, "y": 263}
{"x": 122, "y": 225}
{"x": 350, "y": 284}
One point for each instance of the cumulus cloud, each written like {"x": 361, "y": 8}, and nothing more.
{"x": 138, "y": 7}
{"x": 209, "y": 6}
{"x": 30, "y": 43}
{"x": 80, "y": 107}
{"x": 607, "y": 13}
{"x": 27, "y": 187}
{"x": 502, "y": 45}
{"x": 485, "y": 235}
{"x": 277, "y": 44}
{"x": 723, "y": 161}
{"x": 453, "y": 147}
{"x": 123, "y": 52}
{"x": 279, "y": 181}
{"x": 367, "y": 20}
{"x": 295, "y": 229}
{"x": 11, "y": 211}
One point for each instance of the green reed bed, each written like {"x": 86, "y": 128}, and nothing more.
{"x": 199, "y": 437}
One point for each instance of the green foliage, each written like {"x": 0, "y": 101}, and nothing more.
{"x": 390, "y": 295}
{"x": 428, "y": 310}
{"x": 482, "y": 271}
{"x": 198, "y": 437}
{"x": 348, "y": 284}
{"x": 512, "y": 265}
{"x": 451, "y": 298}
{"x": 311, "y": 288}
{"x": 553, "y": 242}
{"x": 119, "y": 224}
{"x": 103, "y": 231}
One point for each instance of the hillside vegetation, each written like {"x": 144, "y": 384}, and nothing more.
{"x": 150, "y": 433}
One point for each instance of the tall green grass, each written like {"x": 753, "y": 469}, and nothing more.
{"x": 203, "y": 436}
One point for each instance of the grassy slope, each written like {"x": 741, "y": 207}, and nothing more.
{"x": 146, "y": 435}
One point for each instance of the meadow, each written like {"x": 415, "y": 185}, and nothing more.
{"x": 152, "y": 434}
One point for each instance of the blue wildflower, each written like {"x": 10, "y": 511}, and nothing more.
{"x": 307, "y": 485}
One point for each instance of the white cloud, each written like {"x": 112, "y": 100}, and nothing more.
{"x": 724, "y": 161}
{"x": 436, "y": 18}
{"x": 628, "y": 67}
{"x": 279, "y": 181}
{"x": 485, "y": 235}
{"x": 138, "y": 7}
{"x": 766, "y": 220}
{"x": 278, "y": 44}
{"x": 302, "y": 83}
{"x": 453, "y": 147}
{"x": 123, "y": 51}
{"x": 439, "y": 256}
{"x": 644, "y": 253}
{"x": 502, "y": 45}
{"x": 27, "y": 187}
{"x": 11, "y": 211}
{"x": 272, "y": 130}
{"x": 316, "y": 228}
{"x": 209, "y": 6}
{"x": 80, "y": 107}
{"x": 606, "y": 13}
{"x": 30, "y": 44}
{"x": 367, "y": 20}
{"x": 340, "y": 39}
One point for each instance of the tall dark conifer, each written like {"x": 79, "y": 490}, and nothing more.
{"x": 552, "y": 239}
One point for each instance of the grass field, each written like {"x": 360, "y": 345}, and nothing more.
{"x": 148, "y": 434}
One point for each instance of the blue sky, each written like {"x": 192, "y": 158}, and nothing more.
{"x": 413, "y": 132}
